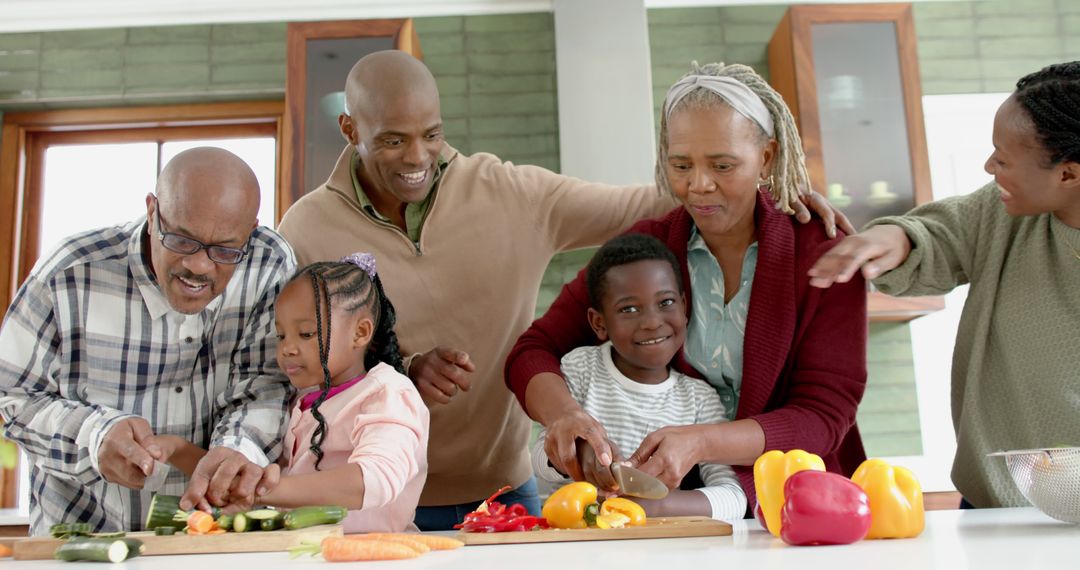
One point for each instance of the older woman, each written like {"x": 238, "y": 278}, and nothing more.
{"x": 1017, "y": 242}
{"x": 788, "y": 360}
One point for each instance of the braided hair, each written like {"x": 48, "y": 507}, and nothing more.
{"x": 1051, "y": 99}
{"x": 788, "y": 167}
{"x": 349, "y": 287}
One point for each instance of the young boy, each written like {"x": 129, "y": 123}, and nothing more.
{"x": 639, "y": 313}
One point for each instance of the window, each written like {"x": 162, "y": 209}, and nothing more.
{"x": 62, "y": 172}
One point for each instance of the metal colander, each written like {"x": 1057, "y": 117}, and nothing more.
{"x": 1048, "y": 478}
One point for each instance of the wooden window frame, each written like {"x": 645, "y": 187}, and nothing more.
{"x": 26, "y": 135}
{"x": 405, "y": 39}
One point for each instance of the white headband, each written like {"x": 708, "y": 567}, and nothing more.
{"x": 739, "y": 96}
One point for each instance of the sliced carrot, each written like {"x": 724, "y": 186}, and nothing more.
{"x": 398, "y": 538}
{"x": 341, "y": 549}
{"x": 5, "y": 551}
{"x": 200, "y": 522}
{"x": 433, "y": 541}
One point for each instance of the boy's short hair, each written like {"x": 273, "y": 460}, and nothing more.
{"x": 623, "y": 250}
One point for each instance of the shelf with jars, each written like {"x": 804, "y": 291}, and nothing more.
{"x": 850, "y": 75}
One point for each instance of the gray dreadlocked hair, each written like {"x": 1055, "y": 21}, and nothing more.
{"x": 789, "y": 166}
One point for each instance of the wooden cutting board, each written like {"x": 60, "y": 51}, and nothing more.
{"x": 659, "y": 527}
{"x": 255, "y": 541}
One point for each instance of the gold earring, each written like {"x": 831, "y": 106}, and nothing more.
{"x": 765, "y": 184}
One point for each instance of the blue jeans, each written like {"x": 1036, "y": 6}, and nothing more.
{"x": 445, "y": 517}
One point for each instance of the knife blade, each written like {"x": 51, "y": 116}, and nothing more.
{"x": 637, "y": 483}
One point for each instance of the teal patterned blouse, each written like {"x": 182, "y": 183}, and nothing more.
{"x": 714, "y": 339}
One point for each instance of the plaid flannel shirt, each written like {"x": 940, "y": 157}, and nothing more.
{"x": 90, "y": 340}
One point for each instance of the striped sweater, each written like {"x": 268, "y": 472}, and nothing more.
{"x": 630, "y": 410}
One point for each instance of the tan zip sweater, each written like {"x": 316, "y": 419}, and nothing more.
{"x": 470, "y": 283}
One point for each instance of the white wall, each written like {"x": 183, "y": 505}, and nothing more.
{"x": 605, "y": 90}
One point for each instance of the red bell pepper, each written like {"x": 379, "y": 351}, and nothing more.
{"x": 493, "y": 516}
{"x": 823, "y": 508}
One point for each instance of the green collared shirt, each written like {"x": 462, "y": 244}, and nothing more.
{"x": 414, "y": 213}
{"x": 714, "y": 338}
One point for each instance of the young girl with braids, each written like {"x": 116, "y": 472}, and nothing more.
{"x": 1016, "y": 241}
{"x": 358, "y": 432}
{"x": 787, "y": 360}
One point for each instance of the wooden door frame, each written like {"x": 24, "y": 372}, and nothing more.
{"x": 405, "y": 39}
{"x": 25, "y": 135}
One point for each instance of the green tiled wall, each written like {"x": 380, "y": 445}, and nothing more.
{"x": 984, "y": 47}
{"x": 142, "y": 65}
{"x": 496, "y": 76}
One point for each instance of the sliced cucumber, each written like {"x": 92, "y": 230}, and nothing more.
{"x": 117, "y": 534}
{"x": 304, "y": 517}
{"x": 264, "y": 519}
{"x": 165, "y": 511}
{"x": 241, "y": 523}
{"x": 95, "y": 550}
{"x": 68, "y": 530}
{"x": 164, "y": 531}
{"x": 225, "y": 521}
{"x": 271, "y": 524}
{"x": 263, "y": 514}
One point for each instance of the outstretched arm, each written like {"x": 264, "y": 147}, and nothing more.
{"x": 342, "y": 486}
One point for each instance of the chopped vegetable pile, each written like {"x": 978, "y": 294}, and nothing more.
{"x": 493, "y": 516}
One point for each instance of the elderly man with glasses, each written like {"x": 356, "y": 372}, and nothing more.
{"x": 161, "y": 326}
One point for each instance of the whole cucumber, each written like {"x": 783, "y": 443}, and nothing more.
{"x": 95, "y": 550}
{"x": 304, "y": 517}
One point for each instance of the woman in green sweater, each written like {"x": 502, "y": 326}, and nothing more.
{"x": 1016, "y": 363}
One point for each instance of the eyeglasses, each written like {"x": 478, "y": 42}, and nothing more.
{"x": 187, "y": 246}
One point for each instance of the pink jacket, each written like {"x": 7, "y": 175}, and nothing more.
{"x": 381, "y": 425}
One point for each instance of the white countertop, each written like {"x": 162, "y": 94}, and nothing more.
{"x": 981, "y": 539}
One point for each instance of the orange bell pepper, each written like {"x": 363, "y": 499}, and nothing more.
{"x": 896, "y": 501}
{"x": 771, "y": 471}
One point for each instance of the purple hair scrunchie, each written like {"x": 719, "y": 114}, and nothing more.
{"x": 363, "y": 260}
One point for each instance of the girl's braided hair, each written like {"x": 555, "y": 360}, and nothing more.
{"x": 348, "y": 286}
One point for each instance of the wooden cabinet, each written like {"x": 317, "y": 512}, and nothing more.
{"x": 850, "y": 75}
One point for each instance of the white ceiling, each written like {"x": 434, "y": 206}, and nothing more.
{"x": 41, "y": 15}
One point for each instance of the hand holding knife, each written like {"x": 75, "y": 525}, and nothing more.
{"x": 617, "y": 477}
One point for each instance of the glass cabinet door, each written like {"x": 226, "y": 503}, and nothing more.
{"x": 850, "y": 75}
{"x": 863, "y": 125}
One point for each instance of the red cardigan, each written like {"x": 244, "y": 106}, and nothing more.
{"x": 804, "y": 354}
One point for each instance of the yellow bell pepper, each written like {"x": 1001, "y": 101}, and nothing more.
{"x": 771, "y": 470}
{"x": 634, "y": 513}
{"x": 896, "y": 501}
{"x": 565, "y": 508}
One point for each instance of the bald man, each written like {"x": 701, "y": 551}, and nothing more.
{"x": 160, "y": 326}
{"x": 462, "y": 243}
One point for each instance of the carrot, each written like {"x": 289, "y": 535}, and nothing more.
{"x": 396, "y": 538}
{"x": 5, "y": 551}
{"x": 200, "y": 522}
{"x": 341, "y": 549}
{"x": 432, "y": 541}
